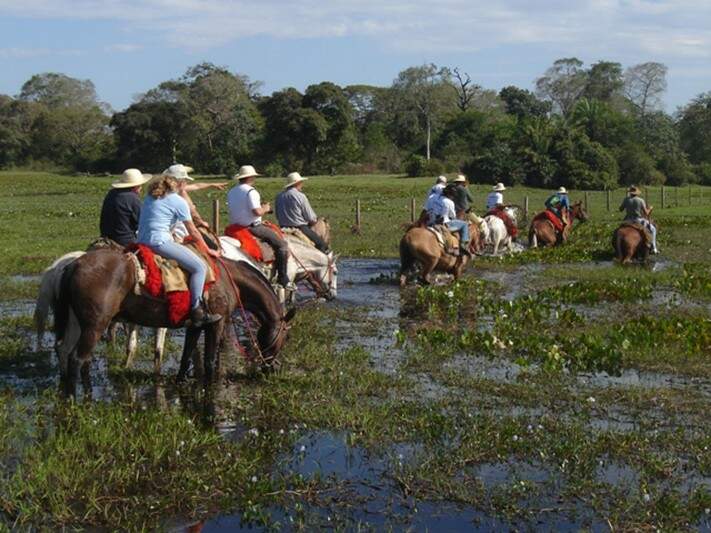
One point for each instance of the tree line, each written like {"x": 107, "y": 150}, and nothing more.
{"x": 591, "y": 127}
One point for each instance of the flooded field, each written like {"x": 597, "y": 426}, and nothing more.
{"x": 555, "y": 397}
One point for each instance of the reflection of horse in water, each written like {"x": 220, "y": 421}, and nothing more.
{"x": 543, "y": 233}
{"x": 631, "y": 241}
{"x": 420, "y": 246}
{"x": 499, "y": 236}
{"x": 98, "y": 287}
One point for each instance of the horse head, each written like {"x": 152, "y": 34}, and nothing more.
{"x": 579, "y": 212}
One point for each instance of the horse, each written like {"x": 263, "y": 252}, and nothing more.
{"x": 629, "y": 243}
{"x": 420, "y": 246}
{"x": 498, "y": 234}
{"x": 544, "y": 233}
{"x": 98, "y": 287}
{"x": 306, "y": 262}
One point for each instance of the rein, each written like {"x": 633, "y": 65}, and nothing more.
{"x": 317, "y": 284}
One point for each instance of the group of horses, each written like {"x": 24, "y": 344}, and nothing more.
{"x": 420, "y": 247}
{"x": 88, "y": 291}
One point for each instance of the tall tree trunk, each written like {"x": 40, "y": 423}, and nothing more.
{"x": 429, "y": 136}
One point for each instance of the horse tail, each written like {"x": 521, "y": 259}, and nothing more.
{"x": 618, "y": 244}
{"x": 66, "y": 325}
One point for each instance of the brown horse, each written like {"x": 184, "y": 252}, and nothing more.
{"x": 543, "y": 233}
{"x": 629, "y": 243}
{"x": 420, "y": 246}
{"x": 99, "y": 287}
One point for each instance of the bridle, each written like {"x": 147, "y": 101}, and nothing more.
{"x": 321, "y": 289}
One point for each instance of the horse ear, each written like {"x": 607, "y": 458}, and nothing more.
{"x": 289, "y": 315}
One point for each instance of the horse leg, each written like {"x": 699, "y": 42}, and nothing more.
{"x": 112, "y": 332}
{"x": 81, "y": 361}
{"x": 191, "y": 338}
{"x": 131, "y": 344}
{"x": 211, "y": 337}
{"x": 159, "y": 349}
{"x": 428, "y": 266}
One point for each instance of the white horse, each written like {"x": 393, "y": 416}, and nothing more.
{"x": 498, "y": 237}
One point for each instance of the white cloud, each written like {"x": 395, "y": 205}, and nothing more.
{"x": 24, "y": 53}
{"x": 663, "y": 28}
{"x": 123, "y": 47}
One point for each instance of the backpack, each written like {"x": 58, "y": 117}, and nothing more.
{"x": 553, "y": 201}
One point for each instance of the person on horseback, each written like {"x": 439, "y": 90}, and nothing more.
{"x": 495, "y": 206}
{"x": 246, "y": 210}
{"x": 559, "y": 204}
{"x": 462, "y": 197}
{"x": 438, "y": 187}
{"x": 293, "y": 210}
{"x": 121, "y": 209}
{"x": 162, "y": 208}
{"x": 444, "y": 212}
{"x": 636, "y": 211}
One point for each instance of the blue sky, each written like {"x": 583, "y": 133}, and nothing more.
{"x": 128, "y": 46}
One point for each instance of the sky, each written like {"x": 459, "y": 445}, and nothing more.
{"x": 126, "y": 47}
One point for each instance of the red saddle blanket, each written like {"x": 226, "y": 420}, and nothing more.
{"x": 179, "y": 300}
{"x": 510, "y": 226}
{"x": 250, "y": 244}
{"x": 550, "y": 217}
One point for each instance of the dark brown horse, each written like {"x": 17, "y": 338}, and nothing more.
{"x": 543, "y": 233}
{"x": 419, "y": 246}
{"x": 99, "y": 287}
{"x": 630, "y": 243}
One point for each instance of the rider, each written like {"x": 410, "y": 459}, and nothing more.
{"x": 246, "y": 210}
{"x": 122, "y": 207}
{"x": 445, "y": 213}
{"x": 558, "y": 204}
{"x": 162, "y": 208}
{"x": 440, "y": 184}
{"x": 636, "y": 211}
{"x": 463, "y": 199}
{"x": 495, "y": 206}
{"x": 293, "y": 210}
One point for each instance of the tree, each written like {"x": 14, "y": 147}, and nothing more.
{"x": 604, "y": 81}
{"x": 58, "y": 90}
{"x": 644, "y": 85}
{"x": 695, "y": 128}
{"x": 466, "y": 90}
{"x": 16, "y": 121}
{"x": 563, "y": 84}
{"x": 522, "y": 103}
{"x": 425, "y": 89}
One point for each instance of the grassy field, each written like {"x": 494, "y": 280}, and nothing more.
{"x": 546, "y": 390}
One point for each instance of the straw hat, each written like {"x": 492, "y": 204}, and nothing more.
{"x": 293, "y": 178}
{"x": 245, "y": 171}
{"x": 499, "y": 187}
{"x": 131, "y": 177}
{"x": 179, "y": 172}
{"x": 562, "y": 190}
{"x": 461, "y": 178}
{"x": 441, "y": 179}
{"x": 634, "y": 191}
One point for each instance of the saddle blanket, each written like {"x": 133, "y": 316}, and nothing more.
{"x": 501, "y": 214}
{"x": 256, "y": 248}
{"x": 550, "y": 217}
{"x": 296, "y": 232}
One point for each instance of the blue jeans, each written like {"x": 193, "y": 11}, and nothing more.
{"x": 462, "y": 227}
{"x": 190, "y": 262}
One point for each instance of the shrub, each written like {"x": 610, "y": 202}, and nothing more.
{"x": 416, "y": 166}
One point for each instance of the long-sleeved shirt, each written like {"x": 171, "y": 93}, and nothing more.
{"x": 120, "y": 213}
{"x": 494, "y": 199}
{"x": 293, "y": 209}
{"x": 634, "y": 208}
{"x": 463, "y": 199}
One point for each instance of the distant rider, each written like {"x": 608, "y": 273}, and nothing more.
{"x": 121, "y": 209}
{"x": 495, "y": 206}
{"x": 559, "y": 204}
{"x": 445, "y": 213}
{"x": 636, "y": 211}
{"x": 293, "y": 210}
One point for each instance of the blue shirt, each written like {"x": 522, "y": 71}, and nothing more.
{"x": 158, "y": 215}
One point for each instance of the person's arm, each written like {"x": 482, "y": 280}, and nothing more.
{"x": 199, "y": 241}
{"x": 191, "y": 187}
{"x": 307, "y": 212}
{"x": 254, "y": 202}
{"x": 197, "y": 219}
{"x": 622, "y": 205}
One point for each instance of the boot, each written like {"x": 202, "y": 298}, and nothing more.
{"x": 199, "y": 316}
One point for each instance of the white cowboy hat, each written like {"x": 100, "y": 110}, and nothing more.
{"x": 293, "y": 178}
{"x": 562, "y": 190}
{"x": 179, "y": 172}
{"x": 245, "y": 171}
{"x": 498, "y": 187}
{"x": 441, "y": 179}
{"x": 461, "y": 178}
{"x": 131, "y": 177}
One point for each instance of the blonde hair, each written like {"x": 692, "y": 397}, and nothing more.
{"x": 162, "y": 186}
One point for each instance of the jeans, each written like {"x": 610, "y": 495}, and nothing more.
{"x": 652, "y": 229}
{"x": 314, "y": 237}
{"x": 280, "y": 247}
{"x": 190, "y": 262}
{"x": 462, "y": 227}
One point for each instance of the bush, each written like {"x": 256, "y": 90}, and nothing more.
{"x": 417, "y": 166}
{"x": 637, "y": 167}
{"x": 703, "y": 173}
{"x": 274, "y": 170}
{"x": 677, "y": 170}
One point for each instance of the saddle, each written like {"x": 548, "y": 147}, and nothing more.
{"x": 499, "y": 213}
{"x": 447, "y": 239}
{"x": 296, "y": 232}
{"x": 256, "y": 248}
{"x": 552, "y": 218}
{"x": 646, "y": 235}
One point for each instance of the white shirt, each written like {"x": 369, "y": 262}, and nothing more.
{"x": 432, "y": 200}
{"x": 241, "y": 200}
{"x": 446, "y": 210}
{"x": 494, "y": 199}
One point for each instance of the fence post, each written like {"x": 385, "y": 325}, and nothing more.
{"x": 608, "y": 199}
{"x": 412, "y": 209}
{"x": 676, "y": 196}
{"x": 689, "y": 193}
{"x": 664, "y": 197}
{"x": 357, "y": 214}
{"x": 525, "y": 208}
{"x": 587, "y": 202}
{"x": 215, "y": 215}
